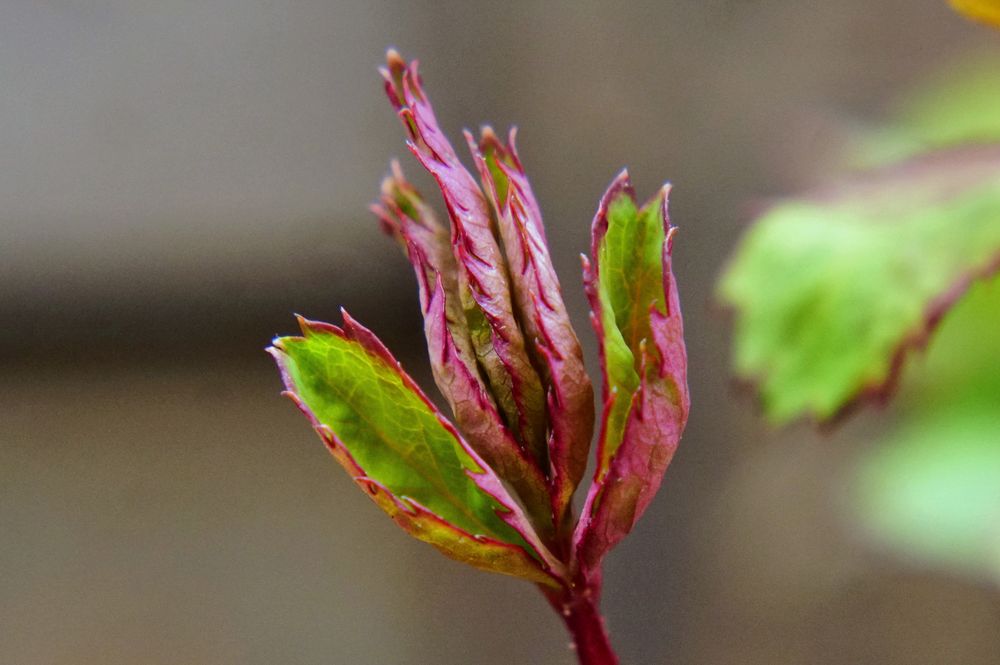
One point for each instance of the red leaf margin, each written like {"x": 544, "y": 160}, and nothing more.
{"x": 409, "y": 514}
{"x": 622, "y": 492}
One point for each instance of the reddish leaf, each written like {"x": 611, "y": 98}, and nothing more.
{"x": 636, "y": 314}
{"x": 404, "y": 453}
{"x": 484, "y": 283}
{"x": 453, "y": 362}
{"x": 538, "y": 297}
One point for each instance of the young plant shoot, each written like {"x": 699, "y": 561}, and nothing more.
{"x": 493, "y": 486}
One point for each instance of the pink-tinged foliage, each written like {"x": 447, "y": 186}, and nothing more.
{"x": 452, "y": 358}
{"x": 484, "y": 282}
{"x": 538, "y": 297}
{"x": 529, "y": 559}
{"x": 630, "y": 469}
{"x": 495, "y": 490}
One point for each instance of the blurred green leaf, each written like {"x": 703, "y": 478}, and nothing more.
{"x": 830, "y": 293}
{"x": 931, "y": 488}
{"x": 958, "y": 105}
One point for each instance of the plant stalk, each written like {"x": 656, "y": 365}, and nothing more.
{"x": 578, "y": 607}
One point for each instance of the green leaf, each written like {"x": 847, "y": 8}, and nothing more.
{"x": 628, "y": 247}
{"x": 958, "y": 105}
{"x": 637, "y": 316}
{"x": 932, "y": 491}
{"x": 931, "y": 488}
{"x": 397, "y": 446}
{"x": 831, "y": 293}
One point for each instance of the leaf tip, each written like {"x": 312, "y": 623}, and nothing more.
{"x": 622, "y": 184}
{"x": 665, "y": 191}
{"x": 488, "y": 137}
{"x": 393, "y": 58}
{"x": 275, "y": 349}
{"x": 310, "y": 327}
{"x": 353, "y": 329}
{"x": 669, "y": 241}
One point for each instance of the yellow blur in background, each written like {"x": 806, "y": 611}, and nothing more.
{"x": 987, "y": 11}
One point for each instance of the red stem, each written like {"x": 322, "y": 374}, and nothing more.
{"x": 578, "y": 607}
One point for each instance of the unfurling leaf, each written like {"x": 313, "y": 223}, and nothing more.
{"x": 397, "y": 447}
{"x": 831, "y": 293}
{"x": 540, "y": 308}
{"x": 987, "y": 11}
{"x": 453, "y": 361}
{"x": 484, "y": 283}
{"x": 636, "y": 314}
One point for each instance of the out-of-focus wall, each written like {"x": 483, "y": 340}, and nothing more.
{"x": 177, "y": 177}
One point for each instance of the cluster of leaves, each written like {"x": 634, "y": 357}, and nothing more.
{"x": 834, "y": 292}
{"x": 494, "y": 487}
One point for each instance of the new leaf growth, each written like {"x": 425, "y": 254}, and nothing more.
{"x": 494, "y": 486}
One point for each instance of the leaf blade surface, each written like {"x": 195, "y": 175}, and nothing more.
{"x": 636, "y": 313}
{"x": 390, "y": 439}
{"x": 832, "y": 294}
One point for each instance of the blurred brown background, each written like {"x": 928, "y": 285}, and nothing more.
{"x": 178, "y": 177}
